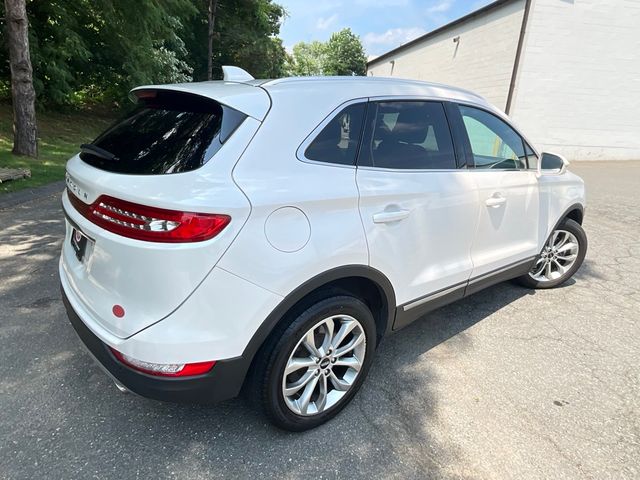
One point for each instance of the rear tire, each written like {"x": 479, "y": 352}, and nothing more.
{"x": 561, "y": 257}
{"x": 324, "y": 366}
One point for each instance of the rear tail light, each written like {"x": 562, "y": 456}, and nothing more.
{"x": 164, "y": 369}
{"x": 152, "y": 224}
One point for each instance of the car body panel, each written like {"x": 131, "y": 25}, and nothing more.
{"x": 506, "y": 232}
{"x": 430, "y": 249}
{"x": 220, "y": 301}
{"x": 558, "y": 193}
{"x": 272, "y": 178}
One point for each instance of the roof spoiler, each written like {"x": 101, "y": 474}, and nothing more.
{"x": 235, "y": 74}
{"x": 240, "y": 96}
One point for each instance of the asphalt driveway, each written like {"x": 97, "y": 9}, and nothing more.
{"x": 508, "y": 383}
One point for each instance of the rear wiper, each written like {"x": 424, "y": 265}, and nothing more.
{"x": 98, "y": 152}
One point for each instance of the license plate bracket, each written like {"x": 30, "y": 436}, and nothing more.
{"x": 79, "y": 243}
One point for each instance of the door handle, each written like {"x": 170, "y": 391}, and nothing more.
{"x": 495, "y": 201}
{"x": 390, "y": 216}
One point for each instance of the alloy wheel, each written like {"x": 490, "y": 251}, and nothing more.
{"x": 557, "y": 257}
{"x": 324, "y": 365}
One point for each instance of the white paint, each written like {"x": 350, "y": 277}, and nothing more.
{"x": 235, "y": 74}
{"x": 245, "y": 98}
{"x": 155, "y": 278}
{"x": 429, "y": 249}
{"x": 287, "y": 229}
{"x": 506, "y": 232}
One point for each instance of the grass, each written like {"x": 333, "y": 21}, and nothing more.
{"x": 59, "y": 138}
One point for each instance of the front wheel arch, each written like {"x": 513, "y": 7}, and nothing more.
{"x": 576, "y": 213}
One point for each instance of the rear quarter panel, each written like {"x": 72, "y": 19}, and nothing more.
{"x": 326, "y": 196}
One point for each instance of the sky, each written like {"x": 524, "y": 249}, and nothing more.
{"x": 381, "y": 24}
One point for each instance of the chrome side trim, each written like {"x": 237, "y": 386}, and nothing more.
{"x": 441, "y": 293}
{"x": 433, "y": 296}
{"x": 501, "y": 270}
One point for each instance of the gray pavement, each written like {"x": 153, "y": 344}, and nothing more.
{"x": 508, "y": 383}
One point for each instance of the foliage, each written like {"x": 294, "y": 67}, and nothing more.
{"x": 94, "y": 51}
{"x": 345, "y": 55}
{"x": 113, "y": 44}
{"x": 308, "y": 59}
{"x": 246, "y": 33}
{"x": 342, "y": 54}
{"x": 98, "y": 50}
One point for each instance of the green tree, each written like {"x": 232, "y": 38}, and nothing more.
{"x": 106, "y": 46}
{"x": 307, "y": 58}
{"x": 344, "y": 55}
{"x": 245, "y": 35}
{"x": 97, "y": 50}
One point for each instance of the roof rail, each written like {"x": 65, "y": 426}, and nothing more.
{"x": 235, "y": 74}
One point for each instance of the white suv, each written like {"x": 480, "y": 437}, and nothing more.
{"x": 268, "y": 234}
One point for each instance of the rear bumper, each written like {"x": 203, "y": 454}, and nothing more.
{"x": 224, "y": 381}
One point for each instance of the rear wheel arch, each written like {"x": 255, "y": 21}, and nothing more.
{"x": 360, "y": 281}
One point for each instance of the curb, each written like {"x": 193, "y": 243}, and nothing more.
{"x": 12, "y": 199}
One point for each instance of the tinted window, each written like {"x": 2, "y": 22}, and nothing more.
{"x": 167, "y": 133}
{"x": 407, "y": 135}
{"x": 338, "y": 140}
{"x": 494, "y": 143}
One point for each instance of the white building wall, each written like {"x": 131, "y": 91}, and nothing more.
{"x": 578, "y": 88}
{"x": 482, "y": 61}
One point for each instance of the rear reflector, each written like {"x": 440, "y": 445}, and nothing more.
{"x": 152, "y": 224}
{"x": 164, "y": 369}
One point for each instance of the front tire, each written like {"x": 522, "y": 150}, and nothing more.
{"x": 311, "y": 371}
{"x": 561, "y": 257}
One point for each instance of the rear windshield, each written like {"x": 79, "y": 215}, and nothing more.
{"x": 168, "y": 132}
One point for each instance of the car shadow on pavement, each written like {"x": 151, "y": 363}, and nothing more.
{"x": 385, "y": 432}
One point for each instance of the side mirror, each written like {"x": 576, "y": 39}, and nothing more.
{"x": 552, "y": 163}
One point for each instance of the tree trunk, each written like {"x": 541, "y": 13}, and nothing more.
{"x": 211, "y": 17}
{"x": 25, "y": 140}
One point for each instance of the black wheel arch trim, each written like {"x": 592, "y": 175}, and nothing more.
{"x": 565, "y": 214}
{"x": 348, "y": 271}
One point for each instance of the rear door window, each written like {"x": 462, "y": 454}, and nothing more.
{"x": 168, "y": 132}
{"x": 407, "y": 135}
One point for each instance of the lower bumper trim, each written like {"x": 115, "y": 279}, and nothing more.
{"x": 224, "y": 381}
